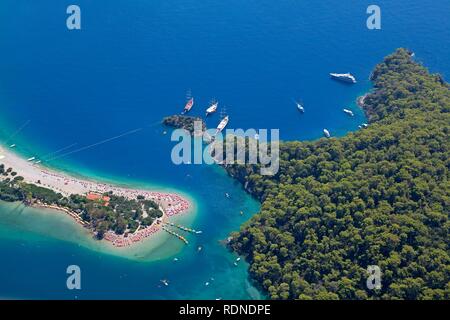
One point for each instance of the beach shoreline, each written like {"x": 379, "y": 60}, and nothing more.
{"x": 170, "y": 204}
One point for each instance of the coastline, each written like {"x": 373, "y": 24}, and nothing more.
{"x": 38, "y": 226}
{"x": 171, "y": 204}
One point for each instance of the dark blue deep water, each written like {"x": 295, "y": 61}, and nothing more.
{"x": 132, "y": 64}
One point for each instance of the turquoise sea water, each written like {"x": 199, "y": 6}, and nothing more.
{"x": 131, "y": 64}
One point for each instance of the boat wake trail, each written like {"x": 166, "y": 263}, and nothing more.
{"x": 17, "y": 131}
{"x": 95, "y": 144}
{"x": 154, "y": 124}
{"x": 54, "y": 153}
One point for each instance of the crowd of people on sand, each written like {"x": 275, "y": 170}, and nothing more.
{"x": 124, "y": 241}
{"x": 171, "y": 204}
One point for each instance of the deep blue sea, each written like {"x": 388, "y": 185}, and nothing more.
{"x": 131, "y": 64}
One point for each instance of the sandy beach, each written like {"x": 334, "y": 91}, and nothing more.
{"x": 170, "y": 203}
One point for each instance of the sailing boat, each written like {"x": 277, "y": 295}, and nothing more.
{"x": 190, "y": 102}
{"x": 212, "y": 108}
{"x": 222, "y": 123}
{"x": 188, "y": 105}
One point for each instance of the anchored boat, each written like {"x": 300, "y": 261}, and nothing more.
{"x": 344, "y": 77}
{"x": 349, "y": 112}
{"x": 188, "y": 105}
{"x": 222, "y": 124}
{"x": 326, "y": 133}
{"x": 212, "y": 108}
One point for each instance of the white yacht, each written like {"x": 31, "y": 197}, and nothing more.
{"x": 345, "y": 77}
{"x": 326, "y": 133}
{"x": 212, "y": 108}
{"x": 349, "y": 112}
{"x": 165, "y": 282}
{"x": 222, "y": 124}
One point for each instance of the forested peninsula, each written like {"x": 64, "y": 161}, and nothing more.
{"x": 378, "y": 196}
{"x": 184, "y": 122}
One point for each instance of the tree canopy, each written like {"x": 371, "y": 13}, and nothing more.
{"x": 378, "y": 196}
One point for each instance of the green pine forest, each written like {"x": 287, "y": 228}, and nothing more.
{"x": 378, "y": 196}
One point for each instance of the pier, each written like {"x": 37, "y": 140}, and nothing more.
{"x": 175, "y": 234}
{"x": 183, "y": 228}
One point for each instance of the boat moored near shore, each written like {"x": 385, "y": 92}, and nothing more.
{"x": 349, "y": 112}
{"x": 344, "y": 77}
{"x": 188, "y": 106}
{"x": 222, "y": 124}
